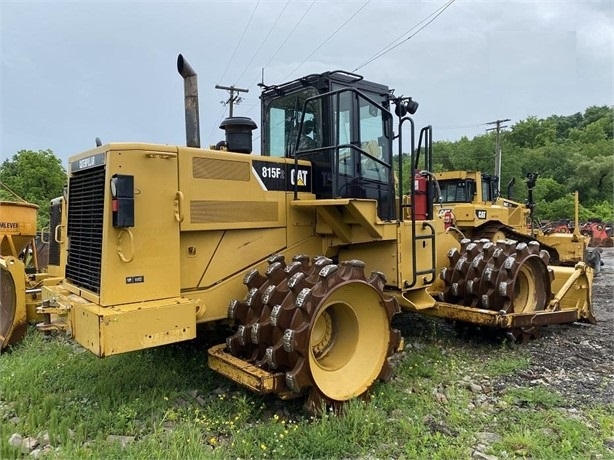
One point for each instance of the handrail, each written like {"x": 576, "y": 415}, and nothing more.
{"x": 426, "y": 134}
{"x": 412, "y": 170}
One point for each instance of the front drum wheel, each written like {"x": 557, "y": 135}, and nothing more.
{"x": 325, "y": 326}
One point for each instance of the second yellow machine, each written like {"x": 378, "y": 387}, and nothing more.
{"x": 308, "y": 248}
{"x": 470, "y": 202}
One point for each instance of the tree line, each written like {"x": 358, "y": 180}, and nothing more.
{"x": 574, "y": 152}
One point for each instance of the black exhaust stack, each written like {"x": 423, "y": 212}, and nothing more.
{"x": 190, "y": 91}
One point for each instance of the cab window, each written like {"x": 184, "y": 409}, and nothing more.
{"x": 456, "y": 191}
{"x": 372, "y": 136}
{"x": 282, "y": 117}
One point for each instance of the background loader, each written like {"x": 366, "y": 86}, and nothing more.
{"x": 18, "y": 253}
{"x": 308, "y": 250}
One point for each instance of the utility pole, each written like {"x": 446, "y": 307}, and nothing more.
{"x": 233, "y": 95}
{"x": 498, "y": 149}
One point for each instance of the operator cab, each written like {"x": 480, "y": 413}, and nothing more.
{"x": 341, "y": 123}
{"x": 464, "y": 190}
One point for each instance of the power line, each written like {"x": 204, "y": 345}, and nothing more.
{"x": 286, "y": 39}
{"x": 428, "y": 20}
{"x": 435, "y": 14}
{"x": 220, "y": 117}
{"x": 329, "y": 37}
{"x": 444, "y": 127}
{"x": 290, "y": 34}
{"x": 264, "y": 40}
{"x": 240, "y": 40}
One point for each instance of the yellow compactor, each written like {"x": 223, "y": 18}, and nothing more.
{"x": 470, "y": 205}
{"x": 308, "y": 249}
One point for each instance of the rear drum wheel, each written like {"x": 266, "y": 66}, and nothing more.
{"x": 325, "y": 326}
{"x": 530, "y": 288}
{"x": 498, "y": 236}
{"x": 7, "y": 306}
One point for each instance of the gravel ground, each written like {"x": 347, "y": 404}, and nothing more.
{"x": 578, "y": 359}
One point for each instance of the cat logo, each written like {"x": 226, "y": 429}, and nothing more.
{"x": 481, "y": 214}
{"x": 301, "y": 177}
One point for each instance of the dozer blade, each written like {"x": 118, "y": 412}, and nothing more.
{"x": 13, "y": 317}
{"x": 572, "y": 289}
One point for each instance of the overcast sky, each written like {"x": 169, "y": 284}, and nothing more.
{"x": 72, "y": 71}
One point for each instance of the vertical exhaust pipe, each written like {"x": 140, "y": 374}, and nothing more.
{"x": 190, "y": 91}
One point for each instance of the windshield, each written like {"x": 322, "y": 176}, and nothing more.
{"x": 282, "y": 117}
{"x": 361, "y": 125}
{"x": 456, "y": 191}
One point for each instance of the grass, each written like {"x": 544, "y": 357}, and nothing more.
{"x": 175, "y": 407}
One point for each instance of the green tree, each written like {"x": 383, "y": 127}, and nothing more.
{"x": 603, "y": 211}
{"x": 548, "y": 189}
{"x": 596, "y": 113}
{"x": 590, "y": 134}
{"x": 565, "y": 123}
{"x": 533, "y": 132}
{"x": 37, "y": 177}
{"x": 594, "y": 179}
{"x": 561, "y": 208}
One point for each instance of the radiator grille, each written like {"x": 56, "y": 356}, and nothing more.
{"x": 85, "y": 223}
{"x": 55, "y": 219}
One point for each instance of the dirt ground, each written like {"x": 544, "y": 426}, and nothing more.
{"x": 577, "y": 359}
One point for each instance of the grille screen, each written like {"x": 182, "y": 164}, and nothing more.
{"x": 217, "y": 212}
{"x": 85, "y": 220}
{"x": 55, "y": 219}
{"x": 209, "y": 168}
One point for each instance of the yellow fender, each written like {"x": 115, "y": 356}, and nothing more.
{"x": 13, "y": 315}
